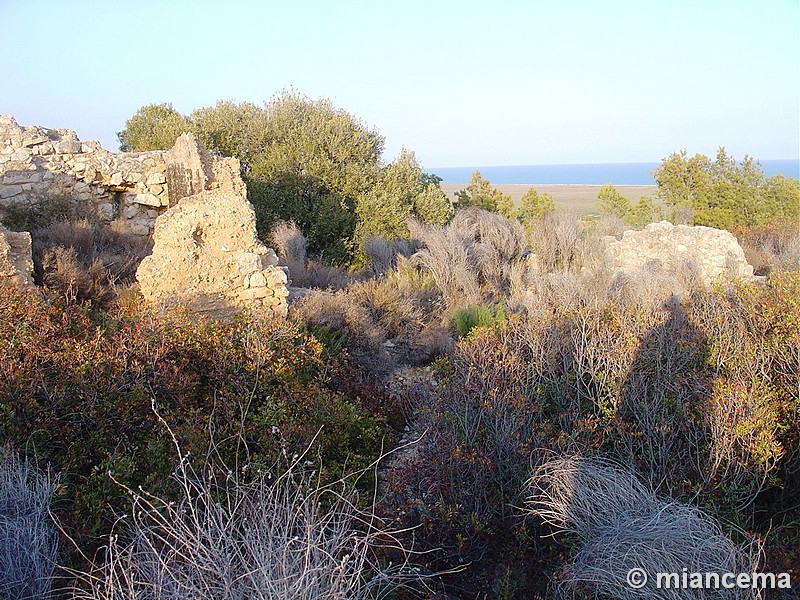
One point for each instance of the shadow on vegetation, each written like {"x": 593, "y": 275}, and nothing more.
{"x": 662, "y": 397}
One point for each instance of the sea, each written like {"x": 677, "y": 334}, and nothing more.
{"x": 586, "y": 174}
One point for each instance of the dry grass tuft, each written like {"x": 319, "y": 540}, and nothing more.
{"x": 621, "y": 525}
{"x": 446, "y": 258}
{"x": 28, "y": 542}
{"x": 556, "y": 241}
{"x": 476, "y": 258}
{"x": 85, "y": 260}
{"x": 290, "y": 245}
{"x": 771, "y": 246}
{"x": 273, "y": 537}
{"x": 384, "y": 254}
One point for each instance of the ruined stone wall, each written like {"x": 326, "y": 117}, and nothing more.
{"x": 207, "y": 257}
{"x": 37, "y": 163}
{"x": 16, "y": 264}
{"x": 133, "y": 188}
{"x": 206, "y": 252}
{"x": 192, "y": 169}
{"x": 710, "y": 253}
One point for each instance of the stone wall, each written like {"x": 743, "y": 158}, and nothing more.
{"x": 192, "y": 169}
{"x": 206, "y": 252}
{"x": 16, "y": 265}
{"x": 37, "y": 163}
{"x": 207, "y": 257}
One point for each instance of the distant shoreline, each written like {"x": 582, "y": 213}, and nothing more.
{"x": 618, "y": 174}
{"x": 573, "y": 197}
{"x": 554, "y": 185}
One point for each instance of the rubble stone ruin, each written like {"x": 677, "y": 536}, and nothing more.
{"x": 710, "y": 253}
{"x": 207, "y": 257}
{"x": 206, "y": 253}
{"x": 16, "y": 265}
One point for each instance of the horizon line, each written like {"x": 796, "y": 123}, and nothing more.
{"x": 583, "y": 164}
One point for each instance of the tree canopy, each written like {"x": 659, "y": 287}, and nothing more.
{"x": 306, "y": 161}
{"x": 480, "y": 193}
{"x": 612, "y": 202}
{"x": 153, "y": 127}
{"x": 402, "y": 190}
{"x": 534, "y": 206}
{"x": 723, "y": 193}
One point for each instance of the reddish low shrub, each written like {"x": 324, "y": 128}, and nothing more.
{"x": 77, "y": 388}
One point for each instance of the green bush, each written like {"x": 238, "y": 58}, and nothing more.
{"x": 725, "y": 193}
{"x": 466, "y": 320}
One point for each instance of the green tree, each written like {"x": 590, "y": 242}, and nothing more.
{"x": 534, "y": 206}
{"x": 152, "y": 127}
{"x": 233, "y": 129}
{"x": 782, "y": 198}
{"x": 401, "y": 191}
{"x": 480, "y": 193}
{"x": 303, "y": 160}
{"x": 312, "y": 138}
{"x": 432, "y": 206}
{"x": 384, "y": 210}
{"x": 683, "y": 181}
{"x": 723, "y": 193}
{"x": 612, "y": 202}
{"x": 643, "y": 212}
{"x": 309, "y": 162}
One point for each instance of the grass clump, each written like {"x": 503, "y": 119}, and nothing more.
{"x": 620, "y": 525}
{"x": 28, "y": 540}
{"x": 276, "y": 533}
{"x": 75, "y": 253}
{"x": 466, "y": 320}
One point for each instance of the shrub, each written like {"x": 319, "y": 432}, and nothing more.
{"x": 343, "y": 312}
{"x": 752, "y": 413}
{"x": 28, "y": 541}
{"x": 474, "y": 257}
{"x": 290, "y": 244}
{"x": 377, "y": 321}
{"x": 445, "y": 257}
{"x": 533, "y": 206}
{"x": 466, "y": 320}
{"x": 480, "y": 193}
{"x": 698, "y": 395}
{"x": 556, "y": 241}
{"x": 77, "y": 386}
{"x": 773, "y": 245}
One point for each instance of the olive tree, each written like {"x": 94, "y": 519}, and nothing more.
{"x": 152, "y": 127}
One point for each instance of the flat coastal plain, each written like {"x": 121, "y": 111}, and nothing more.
{"x": 578, "y": 199}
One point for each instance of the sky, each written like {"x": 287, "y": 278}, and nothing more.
{"x": 460, "y": 83}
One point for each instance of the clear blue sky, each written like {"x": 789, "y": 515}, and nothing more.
{"x": 460, "y": 83}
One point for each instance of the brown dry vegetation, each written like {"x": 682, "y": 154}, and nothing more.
{"x": 550, "y": 368}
